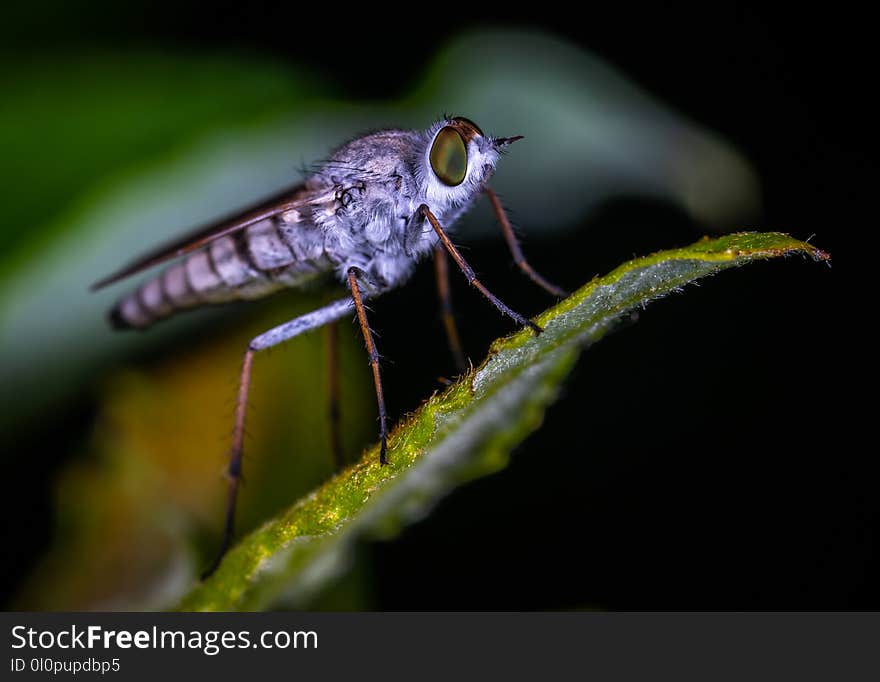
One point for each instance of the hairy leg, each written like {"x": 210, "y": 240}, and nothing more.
{"x": 468, "y": 272}
{"x": 313, "y": 320}
{"x": 515, "y": 248}
{"x": 353, "y": 275}
{"x": 444, "y": 294}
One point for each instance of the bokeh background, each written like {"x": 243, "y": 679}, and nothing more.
{"x": 704, "y": 457}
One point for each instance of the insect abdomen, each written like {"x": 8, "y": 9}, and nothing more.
{"x": 244, "y": 265}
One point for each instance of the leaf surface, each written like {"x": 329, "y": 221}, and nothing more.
{"x": 464, "y": 432}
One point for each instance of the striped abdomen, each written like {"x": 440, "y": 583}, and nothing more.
{"x": 254, "y": 262}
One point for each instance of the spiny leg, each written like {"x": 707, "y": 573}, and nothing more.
{"x": 313, "y": 320}
{"x": 469, "y": 272}
{"x": 515, "y": 248}
{"x": 333, "y": 392}
{"x": 441, "y": 270}
{"x": 353, "y": 274}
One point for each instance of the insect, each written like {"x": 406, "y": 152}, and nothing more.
{"x": 379, "y": 205}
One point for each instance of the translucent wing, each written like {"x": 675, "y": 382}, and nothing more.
{"x": 280, "y": 203}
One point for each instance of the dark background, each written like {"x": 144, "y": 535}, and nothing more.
{"x": 711, "y": 451}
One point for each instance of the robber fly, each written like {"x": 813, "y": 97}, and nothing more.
{"x": 369, "y": 214}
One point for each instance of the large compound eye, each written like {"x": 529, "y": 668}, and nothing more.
{"x": 449, "y": 157}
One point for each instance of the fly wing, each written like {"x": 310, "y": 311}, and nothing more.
{"x": 287, "y": 200}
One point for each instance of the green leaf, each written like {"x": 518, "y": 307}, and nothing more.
{"x": 466, "y": 431}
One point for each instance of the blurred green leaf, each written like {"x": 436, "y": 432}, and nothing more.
{"x": 466, "y": 431}
{"x": 69, "y": 125}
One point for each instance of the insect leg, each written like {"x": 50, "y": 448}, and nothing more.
{"x": 333, "y": 392}
{"x": 313, "y": 320}
{"x": 441, "y": 270}
{"x": 353, "y": 274}
{"x": 515, "y": 249}
{"x": 469, "y": 272}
